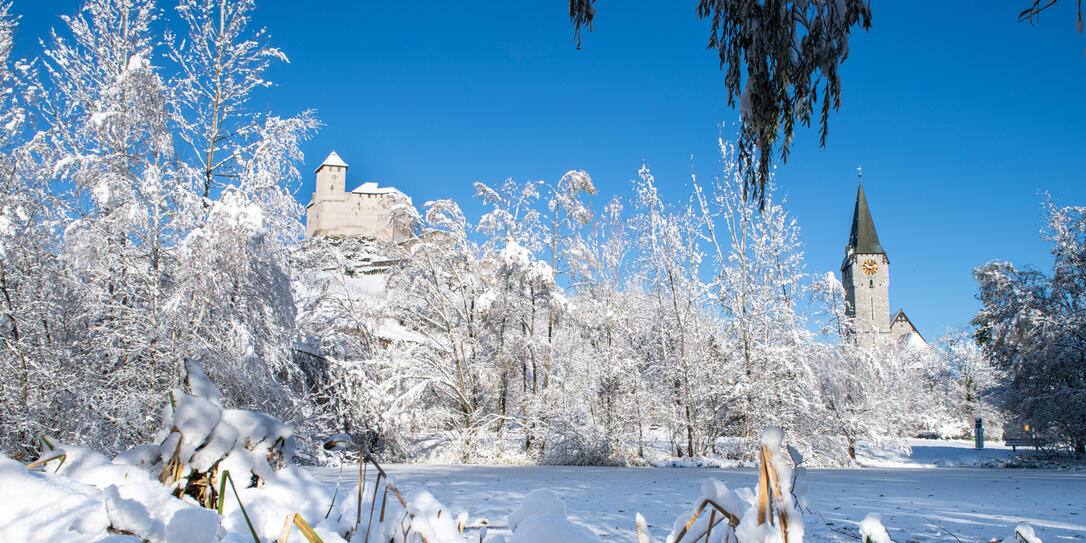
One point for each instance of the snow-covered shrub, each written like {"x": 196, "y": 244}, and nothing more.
{"x": 169, "y": 492}
{"x": 200, "y": 440}
{"x": 571, "y": 444}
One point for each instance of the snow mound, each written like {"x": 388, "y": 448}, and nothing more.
{"x": 872, "y": 530}
{"x": 541, "y": 518}
{"x": 1023, "y": 534}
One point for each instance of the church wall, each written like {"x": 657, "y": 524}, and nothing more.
{"x": 900, "y": 329}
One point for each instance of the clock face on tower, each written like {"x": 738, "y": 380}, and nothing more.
{"x": 870, "y": 267}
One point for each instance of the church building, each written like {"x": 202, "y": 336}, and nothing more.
{"x": 865, "y": 275}
{"x": 365, "y": 211}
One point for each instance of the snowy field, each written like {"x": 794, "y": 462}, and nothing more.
{"x": 916, "y": 503}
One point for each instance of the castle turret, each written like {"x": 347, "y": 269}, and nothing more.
{"x": 331, "y": 179}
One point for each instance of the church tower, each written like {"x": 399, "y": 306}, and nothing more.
{"x": 865, "y": 275}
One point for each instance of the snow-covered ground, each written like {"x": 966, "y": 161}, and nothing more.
{"x": 930, "y": 453}
{"x": 916, "y": 504}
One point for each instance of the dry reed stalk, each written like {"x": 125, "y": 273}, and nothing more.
{"x": 226, "y": 478}
{"x": 303, "y": 527}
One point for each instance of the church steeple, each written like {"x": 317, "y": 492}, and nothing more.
{"x": 863, "y": 239}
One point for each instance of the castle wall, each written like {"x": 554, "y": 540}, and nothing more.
{"x": 355, "y": 214}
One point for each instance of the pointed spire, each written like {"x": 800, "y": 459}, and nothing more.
{"x": 332, "y": 160}
{"x": 863, "y": 238}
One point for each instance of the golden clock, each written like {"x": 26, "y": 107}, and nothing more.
{"x": 870, "y": 267}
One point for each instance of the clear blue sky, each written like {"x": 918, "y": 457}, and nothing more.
{"x": 958, "y": 114}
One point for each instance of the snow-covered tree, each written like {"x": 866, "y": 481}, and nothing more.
{"x": 602, "y": 276}
{"x": 136, "y": 265}
{"x": 445, "y": 302}
{"x": 972, "y": 380}
{"x": 566, "y": 214}
{"x": 758, "y": 288}
{"x": 354, "y": 355}
{"x": 672, "y": 256}
{"x": 239, "y": 170}
{"x": 109, "y": 129}
{"x": 31, "y": 300}
{"x": 1033, "y": 328}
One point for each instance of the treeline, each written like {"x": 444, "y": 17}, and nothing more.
{"x": 545, "y": 332}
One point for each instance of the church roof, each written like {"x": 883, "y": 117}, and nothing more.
{"x": 900, "y": 317}
{"x": 332, "y": 160}
{"x": 863, "y": 239}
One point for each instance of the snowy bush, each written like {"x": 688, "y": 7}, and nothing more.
{"x": 176, "y": 490}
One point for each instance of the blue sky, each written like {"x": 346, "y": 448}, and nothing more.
{"x": 959, "y": 115}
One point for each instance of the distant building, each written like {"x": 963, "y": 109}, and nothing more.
{"x": 865, "y": 274}
{"x": 365, "y": 211}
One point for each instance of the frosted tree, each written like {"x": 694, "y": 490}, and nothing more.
{"x": 239, "y": 169}
{"x": 601, "y": 275}
{"x": 109, "y": 129}
{"x": 672, "y": 257}
{"x": 1032, "y": 328}
{"x": 444, "y": 286}
{"x": 151, "y": 267}
{"x": 757, "y": 286}
{"x": 566, "y": 213}
{"x": 967, "y": 388}
{"x": 520, "y": 295}
{"x": 356, "y": 361}
{"x": 31, "y": 297}
{"x": 526, "y": 300}
{"x": 862, "y": 391}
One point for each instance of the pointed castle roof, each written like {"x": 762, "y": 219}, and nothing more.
{"x": 332, "y": 160}
{"x": 863, "y": 239}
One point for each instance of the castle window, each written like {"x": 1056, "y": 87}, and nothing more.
{"x": 872, "y": 283}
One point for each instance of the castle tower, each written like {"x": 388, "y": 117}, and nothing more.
{"x": 331, "y": 179}
{"x": 865, "y": 275}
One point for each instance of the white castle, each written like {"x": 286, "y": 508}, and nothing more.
{"x": 865, "y": 274}
{"x": 365, "y": 211}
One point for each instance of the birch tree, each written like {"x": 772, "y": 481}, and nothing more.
{"x": 31, "y": 336}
